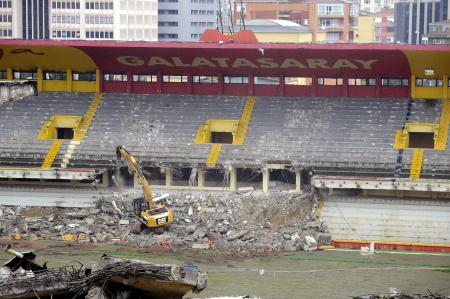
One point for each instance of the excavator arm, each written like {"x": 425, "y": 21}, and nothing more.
{"x": 122, "y": 152}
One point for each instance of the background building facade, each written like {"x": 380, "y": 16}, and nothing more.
{"x": 185, "y": 20}
{"x": 337, "y": 18}
{"x": 413, "y": 17}
{"x": 133, "y": 20}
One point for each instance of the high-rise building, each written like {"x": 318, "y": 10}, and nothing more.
{"x": 185, "y": 20}
{"x": 134, "y": 20}
{"x": 412, "y": 18}
{"x": 35, "y": 19}
{"x": 9, "y": 19}
{"x": 337, "y": 18}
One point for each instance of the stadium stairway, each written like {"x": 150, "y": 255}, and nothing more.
{"x": 336, "y": 136}
{"x": 19, "y": 145}
{"x": 155, "y": 128}
{"x": 436, "y": 163}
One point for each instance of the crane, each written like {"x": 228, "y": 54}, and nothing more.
{"x": 150, "y": 214}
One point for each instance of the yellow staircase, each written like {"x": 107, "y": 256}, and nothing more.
{"x": 416, "y": 164}
{"x": 441, "y": 140}
{"x": 51, "y": 154}
{"x": 213, "y": 155}
{"x": 82, "y": 129}
{"x": 242, "y": 129}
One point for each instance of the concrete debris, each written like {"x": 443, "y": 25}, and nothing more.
{"x": 400, "y": 295}
{"x": 110, "y": 278}
{"x": 310, "y": 244}
{"x": 251, "y": 221}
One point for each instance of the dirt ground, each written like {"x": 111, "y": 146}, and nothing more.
{"x": 321, "y": 274}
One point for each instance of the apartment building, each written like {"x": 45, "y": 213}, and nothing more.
{"x": 376, "y": 5}
{"x": 337, "y": 18}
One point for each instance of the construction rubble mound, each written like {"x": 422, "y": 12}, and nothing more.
{"x": 252, "y": 221}
{"x": 110, "y": 278}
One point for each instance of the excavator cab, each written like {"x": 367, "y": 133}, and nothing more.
{"x": 158, "y": 216}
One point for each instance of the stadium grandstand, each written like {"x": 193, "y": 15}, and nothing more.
{"x": 368, "y": 118}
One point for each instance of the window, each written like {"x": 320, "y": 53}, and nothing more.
{"x": 361, "y": 82}
{"x": 267, "y": 80}
{"x": 428, "y": 82}
{"x": 235, "y": 80}
{"x": 115, "y": 77}
{"x": 54, "y": 75}
{"x": 84, "y": 76}
{"x": 168, "y": 24}
{"x": 206, "y": 79}
{"x": 25, "y": 75}
{"x": 3, "y": 74}
{"x": 145, "y": 78}
{"x": 298, "y": 81}
{"x": 167, "y": 35}
{"x": 167, "y": 11}
{"x": 394, "y": 82}
{"x": 175, "y": 79}
{"x": 330, "y": 9}
{"x": 329, "y": 81}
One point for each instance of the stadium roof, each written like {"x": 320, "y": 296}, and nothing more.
{"x": 360, "y": 60}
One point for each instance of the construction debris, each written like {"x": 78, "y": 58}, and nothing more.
{"x": 252, "y": 221}
{"x": 110, "y": 278}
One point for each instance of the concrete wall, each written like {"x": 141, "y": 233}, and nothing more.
{"x": 366, "y": 30}
{"x": 388, "y": 219}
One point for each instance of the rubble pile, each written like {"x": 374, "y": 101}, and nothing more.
{"x": 252, "y": 221}
{"x": 110, "y": 278}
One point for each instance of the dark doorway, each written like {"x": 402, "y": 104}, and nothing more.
{"x": 222, "y": 137}
{"x": 421, "y": 140}
{"x": 64, "y": 133}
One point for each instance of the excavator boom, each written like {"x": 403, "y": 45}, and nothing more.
{"x": 122, "y": 152}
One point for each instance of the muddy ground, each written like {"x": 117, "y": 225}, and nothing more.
{"x": 320, "y": 274}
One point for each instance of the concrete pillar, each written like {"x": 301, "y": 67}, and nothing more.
{"x": 365, "y": 192}
{"x": 233, "y": 178}
{"x": 40, "y": 79}
{"x": 413, "y": 86}
{"x": 445, "y": 87}
{"x": 98, "y": 80}
{"x": 105, "y": 179}
{"x": 69, "y": 80}
{"x": 201, "y": 177}
{"x": 330, "y": 191}
{"x": 169, "y": 177}
{"x": 9, "y": 73}
{"x": 266, "y": 179}
{"x": 298, "y": 181}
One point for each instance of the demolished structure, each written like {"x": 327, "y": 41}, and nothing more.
{"x": 110, "y": 278}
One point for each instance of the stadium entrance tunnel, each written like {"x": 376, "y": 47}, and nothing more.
{"x": 417, "y": 135}
{"x": 421, "y": 140}
{"x": 60, "y": 127}
{"x": 217, "y": 131}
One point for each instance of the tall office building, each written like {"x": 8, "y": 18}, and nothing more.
{"x": 412, "y": 18}
{"x": 134, "y": 20}
{"x": 35, "y": 19}
{"x": 185, "y": 20}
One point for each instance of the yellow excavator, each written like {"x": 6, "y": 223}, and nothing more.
{"x": 150, "y": 214}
